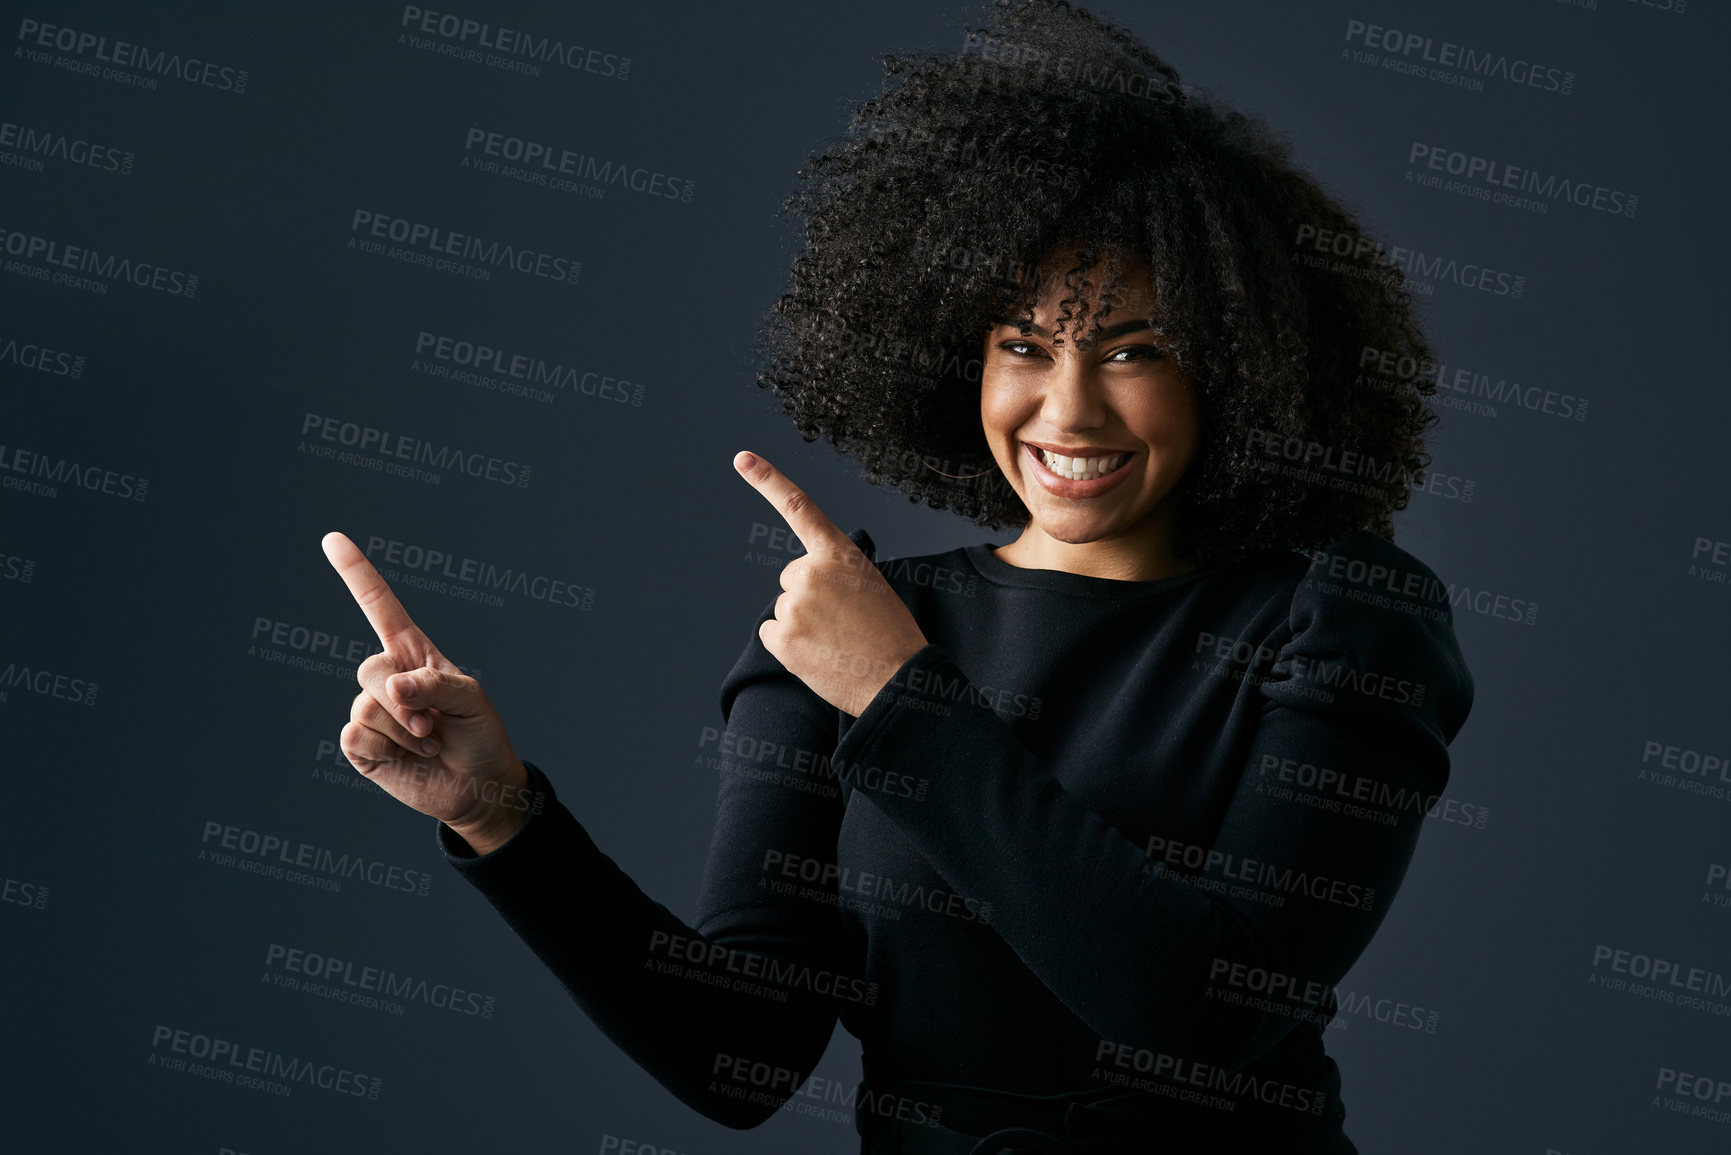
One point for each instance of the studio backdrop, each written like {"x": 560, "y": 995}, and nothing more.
{"x": 479, "y": 287}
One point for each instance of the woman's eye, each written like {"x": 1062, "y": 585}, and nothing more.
{"x": 1129, "y": 354}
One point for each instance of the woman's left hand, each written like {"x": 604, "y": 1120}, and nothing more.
{"x": 838, "y": 625}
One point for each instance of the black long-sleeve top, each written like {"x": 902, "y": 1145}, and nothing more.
{"x": 1095, "y": 833}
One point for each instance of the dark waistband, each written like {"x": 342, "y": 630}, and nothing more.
{"x": 898, "y": 1116}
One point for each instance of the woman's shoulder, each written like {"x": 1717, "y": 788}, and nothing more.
{"x": 943, "y": 572}
{"x": 1369, "y": 634}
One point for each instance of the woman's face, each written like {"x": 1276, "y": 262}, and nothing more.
{"x": 1119, "y": 397}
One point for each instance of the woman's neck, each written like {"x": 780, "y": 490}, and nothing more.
{"x": 1144, "y": 554}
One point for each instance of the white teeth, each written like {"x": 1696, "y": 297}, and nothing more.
{"x": 1081, "y": 468}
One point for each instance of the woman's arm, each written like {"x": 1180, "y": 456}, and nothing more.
{"x": 665, "y": 991}
{"x": 1126, "y": 942}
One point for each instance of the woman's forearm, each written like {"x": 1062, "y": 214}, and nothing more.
{"x": 683, "y": 1004}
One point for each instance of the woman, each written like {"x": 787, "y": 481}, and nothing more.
{"x": 1075, "y": 833}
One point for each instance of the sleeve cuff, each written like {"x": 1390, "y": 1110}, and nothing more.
{"x": 928, "y": 686}
{"x": 538, "y": 800}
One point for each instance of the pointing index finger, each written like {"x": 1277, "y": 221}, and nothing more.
{"x": 384, "y": 612}
{"x": 809, "y": 523}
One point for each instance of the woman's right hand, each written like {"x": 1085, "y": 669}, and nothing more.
{"x": 470, "y": 779}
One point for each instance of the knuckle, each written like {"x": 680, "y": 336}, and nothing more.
{"x": 383, "y": 722}
{"x": 367, "y": 710}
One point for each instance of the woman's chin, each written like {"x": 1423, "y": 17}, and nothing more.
{"x": 1074, "y": 528}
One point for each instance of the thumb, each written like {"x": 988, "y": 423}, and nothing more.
{"x": 451, "y": 694}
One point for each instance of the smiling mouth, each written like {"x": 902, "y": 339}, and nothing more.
{"x": 1079, "y": 468}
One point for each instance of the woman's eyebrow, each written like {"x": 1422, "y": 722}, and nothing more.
{"x": 1106, "y": 334}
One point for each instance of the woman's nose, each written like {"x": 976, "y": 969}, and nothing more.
{"x": 1071, "y": 393}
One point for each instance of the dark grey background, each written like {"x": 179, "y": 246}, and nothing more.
{"x": 1495, "y": 929}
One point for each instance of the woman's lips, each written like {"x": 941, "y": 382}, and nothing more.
{"x": 1059, "y": 486}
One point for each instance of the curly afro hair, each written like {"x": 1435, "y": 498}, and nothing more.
{"x": 1055, "y": 132}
